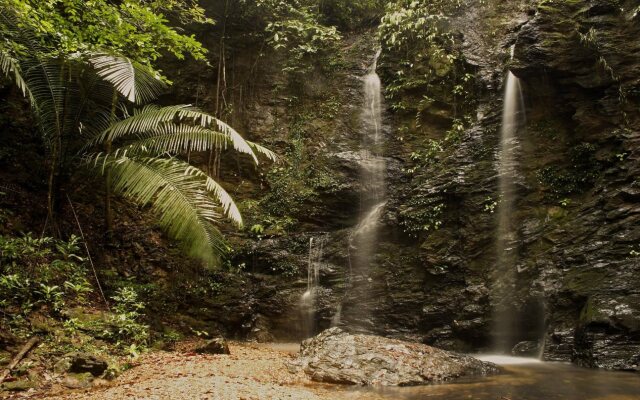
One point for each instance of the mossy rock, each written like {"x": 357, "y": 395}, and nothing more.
{"x": 18, "y": 386}
{"x": 43, "y": 324}
{"x": 93, "y": 323}
{"x": 5, "y": 358}
{"x": 187, "y": 322}
{"x": 556, "y": 213}
{"x": 78, "y": 380}
{"x": 87, "y": 319}
{"x": 598, "y": 311}
{"x": 441, "y": 66}
{"x": 584, "y": 281}
{"x": 78, "y": 362}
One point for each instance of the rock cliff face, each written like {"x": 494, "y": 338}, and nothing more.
{"x": 580, "y": 62}
{"x": 578, "y": 271}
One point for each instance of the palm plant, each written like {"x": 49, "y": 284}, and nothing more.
{"x": 144, "y": 167}
{"x": 82, "y": 104}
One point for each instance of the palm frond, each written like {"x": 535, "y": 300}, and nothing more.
{"x": 94, "y": 106}
{"x": 229, "y": 207}
{"x": 35, "y": 72}
{"x": 148, "y": 119}
{"x": 45, "y": 77}
{"x": 10, "y": 67}
{"x": 179, "y": 194}
{"x": 67, "y": 100}
{"x": 239, "y": 144}
{"x": 152, "y": 119}
{"x": 176, "y": 139}
{"x": 264, "y": 151}
{"x": 134, "y": 81}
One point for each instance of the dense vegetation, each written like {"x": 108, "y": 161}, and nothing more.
{"x": 90, "y": 88}
{"x": 167, "y": 167}
{"x": 89, "y": 72}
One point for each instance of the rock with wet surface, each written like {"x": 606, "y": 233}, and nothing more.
{"x": 529, "y": 348}
{"x": 336, "y": 356}
{"x": 17, "y": 386}
{"x": 215, "y": 346}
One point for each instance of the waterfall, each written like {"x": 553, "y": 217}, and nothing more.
{"x": 504, "y": 274}
{"x": 364, "y": 237}
{"x": 372, "y": 109}
{"x": 373, "y": 166}
{"x": 308, "y": 298}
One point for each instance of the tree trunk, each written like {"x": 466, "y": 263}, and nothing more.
{"x": 221, "y": 85}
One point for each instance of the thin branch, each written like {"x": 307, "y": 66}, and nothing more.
{"x": 16, "y": 360}
{"x": 86, "y": 246}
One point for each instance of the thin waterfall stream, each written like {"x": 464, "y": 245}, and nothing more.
{"x": 309, "y": 297}
{"x": 513, "y": 117}
{"x": 363, "y": 240}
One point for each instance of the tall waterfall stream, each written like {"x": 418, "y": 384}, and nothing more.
{"x": 504, "y": 273}
{"x": 364, "y": 238}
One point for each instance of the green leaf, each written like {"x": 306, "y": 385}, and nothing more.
{"x": 135, "y": 82}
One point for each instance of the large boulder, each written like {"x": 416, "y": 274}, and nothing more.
{"x": 335, "y": 356}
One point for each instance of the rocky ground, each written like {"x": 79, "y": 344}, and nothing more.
{"x": 250, "y": 372}
{"x": 260, "y": 371}
{"x": 271, "y": 371}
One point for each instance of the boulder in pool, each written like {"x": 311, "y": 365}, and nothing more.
{"x": 335, "y": 356}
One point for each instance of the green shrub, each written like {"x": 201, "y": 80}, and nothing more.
{"x": 422, "y": 215}
{"x": 41, "y": 272}
{"x": 126, "y": 323}
{"x": 561, "y": 181}
{"x": 420, "y": 55}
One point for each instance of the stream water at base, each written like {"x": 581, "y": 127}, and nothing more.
{"x": 523, "y": 381}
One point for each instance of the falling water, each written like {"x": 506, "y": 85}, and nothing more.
{"x": 373, "y": 171}
{"x": 369, "y": 223}
{"x": 373, "y": 166}
{"x": 308, "y": 298}
{"x": 505, "y": 329}
{"x": 364, "y": 238}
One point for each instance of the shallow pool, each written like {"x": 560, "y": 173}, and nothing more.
{"x": 525, "y": 380}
